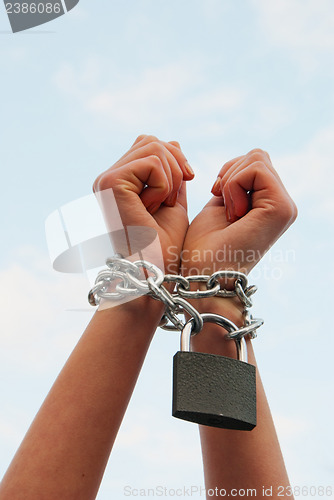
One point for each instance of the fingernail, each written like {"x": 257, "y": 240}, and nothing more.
{"x": 188, "y": 168}
{"x": 216, "y": 185}
{"x": 228, "y": 214}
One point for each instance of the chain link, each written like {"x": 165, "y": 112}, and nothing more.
{"x": 142, "y": 277}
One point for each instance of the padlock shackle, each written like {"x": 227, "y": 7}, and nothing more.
{"x": 185, "y": 336}
{"x": 227, "y": 324}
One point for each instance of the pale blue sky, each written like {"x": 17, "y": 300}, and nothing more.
{"x": 221, "y": 77}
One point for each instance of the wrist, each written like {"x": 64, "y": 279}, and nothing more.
{"x": 135, "y": 309}
{"x": 230, "y": 307}
{"x": 212, "y": 338}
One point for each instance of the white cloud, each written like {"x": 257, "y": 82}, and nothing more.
{"x": 160, "y": 94}
{"x": 171, "y": 445}
{"x": 163, "y": 447}
{"x": 310, "y": 172}
{"x": 34, "y": 323}
{"x": 9, "y": 432}
{"x": 288, "y": 427}
{"x": 79, "y": 13}
{"x": 303, "y": 29}
{"x": 14, "y": 55}
{"x": 299, "y": 25}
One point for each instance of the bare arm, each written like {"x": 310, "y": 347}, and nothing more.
{"x": 67, "y": 447}
{"x": 248, "y": 213}
{"x": 64, "y": 454}
{"x": 232, "y": 459}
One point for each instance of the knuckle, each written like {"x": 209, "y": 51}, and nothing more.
{"x": 151, "y": 139}
{"x": 155, "y": 161}
{"x": 258, "y": 154}
{"x": 294, "y": 213}
{"x": 96, "y": 183}
{"x": 165, "y": 190}
{"x": 256, "y": 150}
{"x": 287, "y": 212}
{"x": 259, "y": 164}
{"x": 146, "y": 138}
{"x": 104, "y": 181}
{"x": 141, "y": 137}
{"x": 156, "y": 148}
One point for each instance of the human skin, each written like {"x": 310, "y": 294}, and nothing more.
{"x": 249, "y": 211}
{"x": 66, "y": 449}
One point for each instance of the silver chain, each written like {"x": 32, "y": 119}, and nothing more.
{"x": 141, "y": 277}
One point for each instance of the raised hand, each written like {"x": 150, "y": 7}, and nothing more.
{"x": 148, "y": 183}
{"x": 249, "y": 211}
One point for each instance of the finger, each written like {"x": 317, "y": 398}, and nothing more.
{"x": 253, "y": 156}
{"x": 267, "y": 193}
{"x": 238, "y": 202}
{"x": 143, "y": 139}
{"x": 224, "y": 187}
{"x": 149, "y": 144}
{"x": 216, "y": 188}
{"x": 169, "y": 162}
{"x": 182, "y": 197}
{"x": 175, "y": 149}
{"x": 144, "y": 150}
{"x": 134, "y": 176}
{"x": 177, "y": 177}
{"x": 139, "y": 142}
{"x": 236, "y": 186}
{"x": 127, "y": 183}
{"x": 175, "y": 143}
{"x": 238, "y": 159}
{"x": 229, "y": 164}
{"x": 171, "y": 157}
{"x": 151, "y": 198}
{"x": 238, "y": 199}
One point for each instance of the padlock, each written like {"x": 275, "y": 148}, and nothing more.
{"x": 214, "y": 390}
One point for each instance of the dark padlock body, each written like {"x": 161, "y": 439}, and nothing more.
{"x": 214, "y": 390}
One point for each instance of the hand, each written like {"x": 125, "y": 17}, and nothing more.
{"x": 250, "y": 210}
{"x": 148, "y": 184}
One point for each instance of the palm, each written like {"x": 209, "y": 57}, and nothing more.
{"x": 212, "y": 240}
{"x": 260, "y": 208}
{"x": 170, "y": 224}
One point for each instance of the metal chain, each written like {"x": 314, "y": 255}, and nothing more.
{"x": 142, "y": 277}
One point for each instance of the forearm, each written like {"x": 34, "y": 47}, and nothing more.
{"x": 239, "y": 459}
{"x": 66, "y": 449}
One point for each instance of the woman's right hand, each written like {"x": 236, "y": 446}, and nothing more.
{"x": 148, "y": 184}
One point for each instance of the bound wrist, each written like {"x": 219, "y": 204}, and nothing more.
{"x": 230, "y": 307}
{"x": 212, "y": 338}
